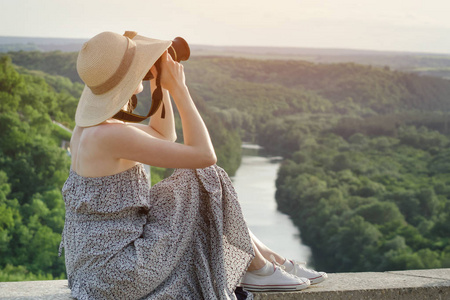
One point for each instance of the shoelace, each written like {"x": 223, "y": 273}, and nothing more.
{"x": 302, "y": 265}
{"x": 274, "y": 261}
{"x": 282, "y": 268}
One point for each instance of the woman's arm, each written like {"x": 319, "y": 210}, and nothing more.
{"x": 165, "y": 127}
{"x": 159, "y": 127}
{"x": 128, "y": 142}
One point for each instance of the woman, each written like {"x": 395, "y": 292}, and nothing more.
{"x": 183, "y": 239}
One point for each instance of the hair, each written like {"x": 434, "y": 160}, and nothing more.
{"x": 130, "y": 106}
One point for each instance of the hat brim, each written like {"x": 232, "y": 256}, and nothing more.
{"x": 94, "y": 109}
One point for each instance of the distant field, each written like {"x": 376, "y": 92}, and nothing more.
{"x": 422, "y": 63}
{"x": 437, "y": 65}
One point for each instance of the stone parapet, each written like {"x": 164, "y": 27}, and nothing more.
{"x": 398, "y": 285}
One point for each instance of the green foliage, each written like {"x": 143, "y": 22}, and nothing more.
{"x": 53, "y": 63}
{"x": 157, "y": 174}
{"x": 366, "y": 88}
{"x": 21, "y": 273}
{"x": 371, "y": 203}
{"x": 33, "y": 169}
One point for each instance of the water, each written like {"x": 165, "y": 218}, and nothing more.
{"x": 255, "y": 184}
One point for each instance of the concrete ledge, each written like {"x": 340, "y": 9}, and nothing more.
{"x": 399, "y": 285}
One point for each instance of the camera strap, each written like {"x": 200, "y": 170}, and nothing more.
{"x": 157, "y": 100}
{"x": 157, "y": 95}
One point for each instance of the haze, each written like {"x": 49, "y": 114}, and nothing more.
{"x": 413, "y": 25}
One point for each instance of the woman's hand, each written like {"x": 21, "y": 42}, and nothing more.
{"x": 172, "y": 73}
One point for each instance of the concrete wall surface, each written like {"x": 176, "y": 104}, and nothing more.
{"x": 398, "y": 285}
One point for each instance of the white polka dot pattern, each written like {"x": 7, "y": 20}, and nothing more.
{"x": 185, "y": 238}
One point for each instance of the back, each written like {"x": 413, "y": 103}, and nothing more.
{"x": 89, "y": 158}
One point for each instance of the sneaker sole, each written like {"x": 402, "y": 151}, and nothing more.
{"x": 266, "y": 288}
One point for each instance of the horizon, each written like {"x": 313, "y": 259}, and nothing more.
{"x": 376, "y": 25}
{"x": 242, "y": 46}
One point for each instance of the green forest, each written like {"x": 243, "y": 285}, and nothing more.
{"x": 33, "y": 169}
{"x": 364, "y": 175}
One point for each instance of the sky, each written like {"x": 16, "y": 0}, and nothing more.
{"x": 398, "y": 25}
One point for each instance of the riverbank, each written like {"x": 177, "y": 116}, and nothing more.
{"x": 255, "y": 184}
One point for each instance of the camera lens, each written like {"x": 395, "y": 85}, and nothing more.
{"x": 179, "y": 50}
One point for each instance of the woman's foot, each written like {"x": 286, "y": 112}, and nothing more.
{"x": 299, "y": 269}
{"x": 272, "y": 277}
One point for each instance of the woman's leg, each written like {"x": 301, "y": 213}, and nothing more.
{"x": 290, "y": 266}
{"x": 259, "y": 261}
{"x": 265, "y": 276}
{"x": 264, "y": 250}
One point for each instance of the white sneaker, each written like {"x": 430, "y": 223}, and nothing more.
{"x": 300, "y": 270}
{"x": 280, "y": 280}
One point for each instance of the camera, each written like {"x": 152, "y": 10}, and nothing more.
{"x": 179, "y": 50}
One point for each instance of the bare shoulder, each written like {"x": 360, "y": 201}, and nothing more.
{"x": 100, "y": 137}
{"x": 91, "y": 156}
{"x": 111, "y": 132}
{"x": 115, "y": 132}
{"x": 119, "y": 139}
{"x": 99, "y": 131}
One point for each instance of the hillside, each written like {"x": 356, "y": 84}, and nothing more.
{"x": 432, "y": 64}
{"x": 257, "y": 96}
{"x": 366, "y": 179}
{"x": 33, "y": 168}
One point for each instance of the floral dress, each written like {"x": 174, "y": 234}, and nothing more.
{"x": 185, "y": 238}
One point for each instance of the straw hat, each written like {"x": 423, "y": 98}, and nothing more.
{"x": 112, "y": 66}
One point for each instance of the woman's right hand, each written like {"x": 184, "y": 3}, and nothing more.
{"x": 172, "y": 73}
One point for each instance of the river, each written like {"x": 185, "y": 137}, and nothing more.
{"x": 255, "y": 184}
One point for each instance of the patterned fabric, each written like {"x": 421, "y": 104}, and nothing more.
{"x": 185, "y": 238}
